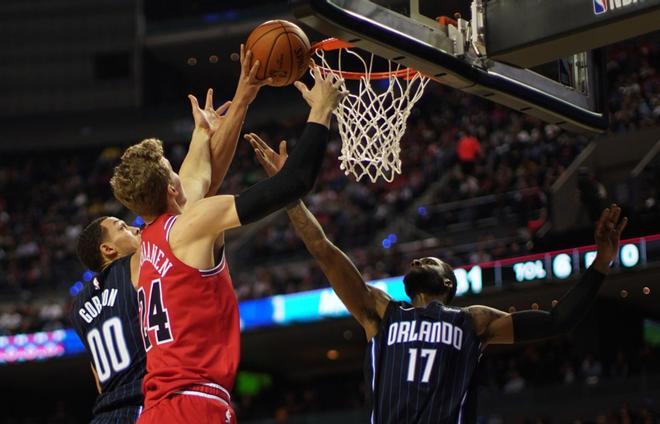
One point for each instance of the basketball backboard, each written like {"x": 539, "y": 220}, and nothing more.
{"x": 487, "y": 48}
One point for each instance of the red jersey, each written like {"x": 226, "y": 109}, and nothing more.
{"x": 189, "y": 319}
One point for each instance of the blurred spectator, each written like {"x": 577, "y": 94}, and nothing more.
{"x": 515, "y": 383}
{"x": 468, "y": 150}
{"x": 592, "y": 370}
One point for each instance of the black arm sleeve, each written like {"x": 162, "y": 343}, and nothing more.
{"x": 571, "y": 308}
{"x": 295, "y": 179}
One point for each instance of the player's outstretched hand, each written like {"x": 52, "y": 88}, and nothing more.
{"x": 207, "y": 119}
{"x": 248, "y": 84}
{"x": 326, "y": 93}
{"x": 607, "y": 236}
{"x": 270, "y": 160}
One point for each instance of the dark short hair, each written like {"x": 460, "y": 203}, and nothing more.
{"x": 433, "y": 283}
{"x": 89, "y": 241}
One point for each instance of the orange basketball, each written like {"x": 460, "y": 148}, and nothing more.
{"x": 283, "y": 51}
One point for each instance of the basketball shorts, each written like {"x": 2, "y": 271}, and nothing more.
{"x": 190, "y": 406}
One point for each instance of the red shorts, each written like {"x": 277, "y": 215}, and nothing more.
{"x": 189, "y": 406}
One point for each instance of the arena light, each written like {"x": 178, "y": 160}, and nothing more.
{"x": 39, "y": 346}
{"x": 629, "y": 255}
{"x": 138, "y": 221}
{"x": 561, "y": 266}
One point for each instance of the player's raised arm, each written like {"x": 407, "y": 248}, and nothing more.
{"x": 210, "y": 216}
{"x": 367, "y": 304}
{"x": 195, "y": 172}
{"x": 225, "y": 138}
{"x": 497, "y": 327}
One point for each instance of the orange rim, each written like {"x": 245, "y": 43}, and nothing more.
{"x": 332, "y": 44}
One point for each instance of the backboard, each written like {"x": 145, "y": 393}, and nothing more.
{"x": 525, "y": 54}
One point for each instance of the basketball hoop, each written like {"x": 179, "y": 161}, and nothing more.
{"x": 372, "y": 118}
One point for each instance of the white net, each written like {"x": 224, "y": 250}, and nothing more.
{"x": 372, "y": 117}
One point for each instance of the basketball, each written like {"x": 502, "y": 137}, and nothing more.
{"x": 283, "y": 51}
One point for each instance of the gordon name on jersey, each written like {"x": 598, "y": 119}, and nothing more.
{"x": 92, "y": 308}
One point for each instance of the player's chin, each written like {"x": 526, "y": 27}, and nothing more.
{"x": 420, "y": 277}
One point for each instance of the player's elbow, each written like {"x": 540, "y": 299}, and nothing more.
{"x": 305, "y": 185}
{"x": 296, "y": 186}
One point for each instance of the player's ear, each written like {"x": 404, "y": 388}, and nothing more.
{"x": 448, "y": 283}
{"x": 174, "y": 196}
{"x": 108, "y": 251}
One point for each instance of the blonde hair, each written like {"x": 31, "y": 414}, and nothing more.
{"x": 140, "y": 180}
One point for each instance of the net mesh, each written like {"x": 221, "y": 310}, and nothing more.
{"x": 372, "y": 117}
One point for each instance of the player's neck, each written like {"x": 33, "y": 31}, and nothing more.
{"x": 422, "y": 300}
{"x": 173, "y": 209}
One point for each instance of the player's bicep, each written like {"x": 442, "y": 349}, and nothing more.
{"x": 500, "y": 331}
{"x": 208, "y": 217}
{"x": 491, "y": 325}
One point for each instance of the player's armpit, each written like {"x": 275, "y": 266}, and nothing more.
{"x": 380, "y": 300}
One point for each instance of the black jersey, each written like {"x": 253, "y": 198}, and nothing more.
{"x": 105, "y": 316}
{"x": 421, "y": 366}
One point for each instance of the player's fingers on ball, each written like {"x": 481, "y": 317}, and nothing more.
{"x": 242, "y": 53}
{"x": 247, "y": 59}
{"x": 253, "y": 70}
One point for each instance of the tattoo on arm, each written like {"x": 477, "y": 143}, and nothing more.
{"x": 305, "y": 223}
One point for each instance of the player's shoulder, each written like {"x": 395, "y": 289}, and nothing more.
{"x": 452, "y": 309}
{"x": 117, "y": 272}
